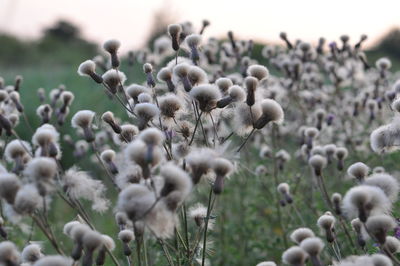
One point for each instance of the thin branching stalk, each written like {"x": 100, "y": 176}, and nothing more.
{"x": 47, "y": 234}
{"x": 195, "y": 128}
{"x": 246, "y": 139}
{"x": 276, "y": 183}
{"x": 110, "y": 176}
{"x": 209, "y": 209}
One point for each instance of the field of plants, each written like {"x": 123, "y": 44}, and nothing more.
{"x": 200, "y": 151}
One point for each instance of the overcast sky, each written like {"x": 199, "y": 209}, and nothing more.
{"x": 129, "y": 20}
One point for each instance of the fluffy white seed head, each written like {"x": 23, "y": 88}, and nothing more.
{"x": 294, "y": 256}
{"x": 250, "y": 83}
{"x": 78, "y": 231}
{"x": 383, "y": 63}
{"x": 68, "y": 227}
{"x": 197, "y": 75}
{"x": 121, "y": 218}
{"x": 92, "y": 240}
{"x": 86, "y": 68}
{"x": 330, "y": 149}
{"x": 108, "y": 117}
{"x": 392, "y": 244}
{"x": 207, "y": 95}
{"x": 381, "y": 260}
{"x": 265, "y": 152}
{"x": 266, "y": 263}
{"x": 283, "y": 156}
{"x": 311, "y": 132}
{"x": 112, "y": 46}
{"x": 193, "y": 40}
{"x": 198, "y": 213}
{"x": 358, "y": 170}
{"x": 181, "y": 70}
{"x": 341, "y": 153}
{"x": 27, "y": 200}
{"x": 396, "y": 105}
{"x": 134, "y": 90}
{"x": 298, "y": 235}
{"x": 108, "y": 155}
{"x": 9, "y": 254}
{"x": 379, "y": 225}
{"x": 316, "y": 150}
{"x": 31, "y": 253}
{"x": 378, "y": 170}
{"x": 283, "y": 188}
{"x": 136, "y": 151}
{"x": 237, "y": 93}
{"x": 17, "y": 149}
{"x": 44, "y": 135}
{"x": 336, "y": 198}
{"x": 357, "y": 225}
{"x": 126, "y": 235}
{"x": 164, "y": 74}
{"x": 200, "y": 162}
{"x": 317, "y": 162}
{"x": 174, "y": 29}
{"x": 382, "y": 139}
{"x": 380, "y": 222}
{"x": 9, "y": 186}
{"x": 128, "y": 132}
{"x": 41, "y": 169}
{"x": 42, "y": 110}
{"x": 147, "y": 68}
{"x": 3, "y": 95}
{"x": 272, "y": 111}
{"x": 135, "y": 200}
{"x": 386, "y": 182}
{"x": 114, "y": 78}
{"x": 14, "y": 96}
{"x": 320, "y": 114}
{"x": 108, "y": 242}
{"x": 326, "y": 222}
{"x": 83, "y": 119}
{"x": 80, "y": 185}
{"x": 144, "y": 97}
{"x": 313, "y": 246}
{"x": 258, "y": 71}
{"x": 222, "y": 167}
{"x": 369, "y": 200}
{"x": 54, "y": 260}
{"x": 224, "y": 84}
{"x": 175, "y": 180}
{"x": 152, "y": 136}
{"x": 243, "y": 118}
{"x": 146, "y": 111}
{"x": 169, "y": 105}
{"x": 129, "y": 175}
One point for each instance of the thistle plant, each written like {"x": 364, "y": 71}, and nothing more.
{"x": 212, "y": 154}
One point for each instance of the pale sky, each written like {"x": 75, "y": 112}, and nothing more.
{"x": 129, "y": 20}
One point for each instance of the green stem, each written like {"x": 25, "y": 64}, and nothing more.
{"x": 206, "y": 227}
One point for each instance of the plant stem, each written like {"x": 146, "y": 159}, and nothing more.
{"x": 206, "y": 227}
{"x": 276, "y": 182}
{"x": 247, "y": 138}
{"x": 166, "y": 253}
{"x": 195, "y": 128}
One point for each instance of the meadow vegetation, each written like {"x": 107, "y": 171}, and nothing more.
{"x": 197, "y": 151}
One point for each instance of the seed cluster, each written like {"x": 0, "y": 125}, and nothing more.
{"x": 207, "y": 120}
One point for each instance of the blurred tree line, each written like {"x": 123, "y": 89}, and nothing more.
{"x": 62, "y": 44}
{"x": 390, "y": 43}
